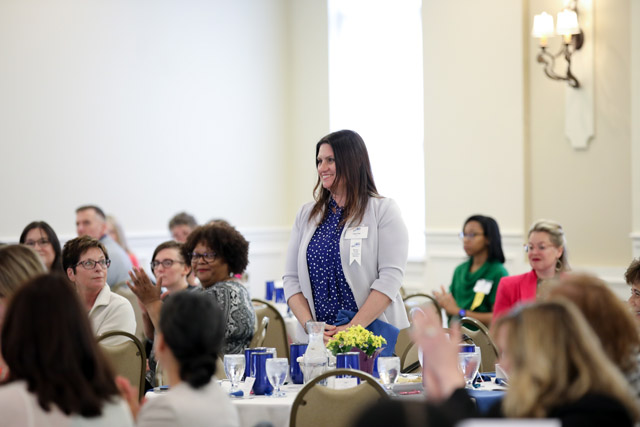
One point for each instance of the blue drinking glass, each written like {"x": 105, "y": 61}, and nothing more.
{"x": 262, "y": 385}
{"x": 248, "y": 361}
{"x": 297, "y": 350}
{"x": 350, "y": 360}
{"x": 270, "y": 290}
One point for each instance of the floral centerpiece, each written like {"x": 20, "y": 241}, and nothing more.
{"x": 358, "y": 339}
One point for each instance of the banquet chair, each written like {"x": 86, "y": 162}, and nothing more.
{"x": 276, "y": 335}
{"x": 319, "y": 406}
{"x": 260, "y": 333}
{"x": 479, "y": 334}
{"x": 122, "y": 289}
{"x": 420, "y": 300}
{"x": 128, "y": 358}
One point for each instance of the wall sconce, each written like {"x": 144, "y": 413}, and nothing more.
{"x": 572, "y": 40}
{"x": 578, "y": 104}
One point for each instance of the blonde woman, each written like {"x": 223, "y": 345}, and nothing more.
{"x": 547, "y": 253}
{"x": 556, "y": 368}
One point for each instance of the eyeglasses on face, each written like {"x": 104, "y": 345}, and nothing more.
{"x": 166, "y": 263}
{"x": 530, "y": 247}
{"x": 206, "y": 256}
{"x": 463, "y": 235}
{"x": 39, "y": 242}
{"x": 90, "y": 264}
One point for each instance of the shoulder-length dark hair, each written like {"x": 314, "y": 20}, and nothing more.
{"x": 193, "y": 328}
{"x": 48, "y": 343}
{"x": 492, "y": 233}
{"x": 51, "y": 236}
{"x": 353, "y": 169}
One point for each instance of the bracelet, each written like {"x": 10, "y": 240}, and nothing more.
{"x": 462, "y": 313}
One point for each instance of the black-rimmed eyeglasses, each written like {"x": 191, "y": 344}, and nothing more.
{"x": 206, "y": 256}
{"x": 166, "y": 263}
{"x": 90, "y": 264}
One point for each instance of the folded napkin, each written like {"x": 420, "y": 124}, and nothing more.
{"x": 378, "y": 327}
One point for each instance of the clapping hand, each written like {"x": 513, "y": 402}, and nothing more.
{"x": 142, "y": 287}
{"x": 446, "y": 301}
{"x": 440, "y": 374}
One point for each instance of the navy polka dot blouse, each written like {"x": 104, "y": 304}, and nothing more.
{"x": 328, "y": 284}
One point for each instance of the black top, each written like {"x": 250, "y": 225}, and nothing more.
{"x": 591, "y": 410}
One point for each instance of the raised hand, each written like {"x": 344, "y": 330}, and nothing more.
{"x": 143, "y": 288}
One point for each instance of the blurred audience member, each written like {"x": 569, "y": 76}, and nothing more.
{"x": 188, "y": 353}
{"x": 40, "y": 236}
{"x": 547, "y": 252}
{"x": 115, "y": 231}
{"x": 608, "y": 317}
{"x": 181, "y": 225}
{"x": 632, "y": 276}
{"x": 18, "y": 263}
{"x": 91, "y": 221}
{"x": 57, "y": 375}
{"x": 556, "y": 368}
{"x": 475, "y": 282}
{"x": 86, "y": 261}
{"x": 216, "y": 252}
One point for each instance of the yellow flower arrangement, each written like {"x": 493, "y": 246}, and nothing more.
{"x": 358, "y": 337}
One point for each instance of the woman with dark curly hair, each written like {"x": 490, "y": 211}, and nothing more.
{"x": 216, "y": 252}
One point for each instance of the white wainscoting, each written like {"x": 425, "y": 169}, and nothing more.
{"x": 444, "y": 252}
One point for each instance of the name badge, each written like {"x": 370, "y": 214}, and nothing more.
{"x": 359, "y": 232}
{"x": 483, "y": 286}
{"x": 355, "y": 251}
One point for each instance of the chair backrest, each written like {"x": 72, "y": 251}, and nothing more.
{"x": 260, "y": 333}
{"x": 276, "y": 335}
{"x": 407, "y": 352}
{"x": 127, "y": 358}
{"x": 122, "y": 289}
{"x": 317, "y": 405}
{"x": 420, "y": 300}
{"x": 479, "y": 334}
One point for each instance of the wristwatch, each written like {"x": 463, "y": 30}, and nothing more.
{"x": 462, "y": 313}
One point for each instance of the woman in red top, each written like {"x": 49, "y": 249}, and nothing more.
{"x": 547, "y": 252}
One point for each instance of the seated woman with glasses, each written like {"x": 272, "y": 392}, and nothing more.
{"x": 547, "y": 252}
{"x": 168, "y": 266}
{"x": 216, "y": 252}
{"x": 85, "y": 261}
{"x": 475, "y": 282}
{"x": 57, "y": 374}
{"x": 39, "y": 236}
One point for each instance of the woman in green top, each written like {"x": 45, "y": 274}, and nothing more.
{"x": 475, "y": 282}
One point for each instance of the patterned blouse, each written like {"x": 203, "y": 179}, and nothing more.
{"x": 330, "y": 289}
{"x": 238, "y": 314}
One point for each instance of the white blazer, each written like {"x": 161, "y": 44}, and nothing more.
{"x": 383, "y": 258}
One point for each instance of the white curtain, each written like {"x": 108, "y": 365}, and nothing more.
{"x": 375, "y": 89}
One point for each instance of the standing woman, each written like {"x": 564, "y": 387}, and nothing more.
{"x": 348, "y": 249}
{"x": 547, "y": 252}
{"x": 40, "y": 237}
{"x": 475, "y": 282}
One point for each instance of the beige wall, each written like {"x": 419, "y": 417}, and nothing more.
{"x": 635, "y": 119}
{"x": 309, "y": 96}
{"x": 589, "y": 191}
{"x": 473, "y": 107}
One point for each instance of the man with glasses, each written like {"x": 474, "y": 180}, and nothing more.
{"x": 86, "y": 260}
{"x": 91, "y": 221}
